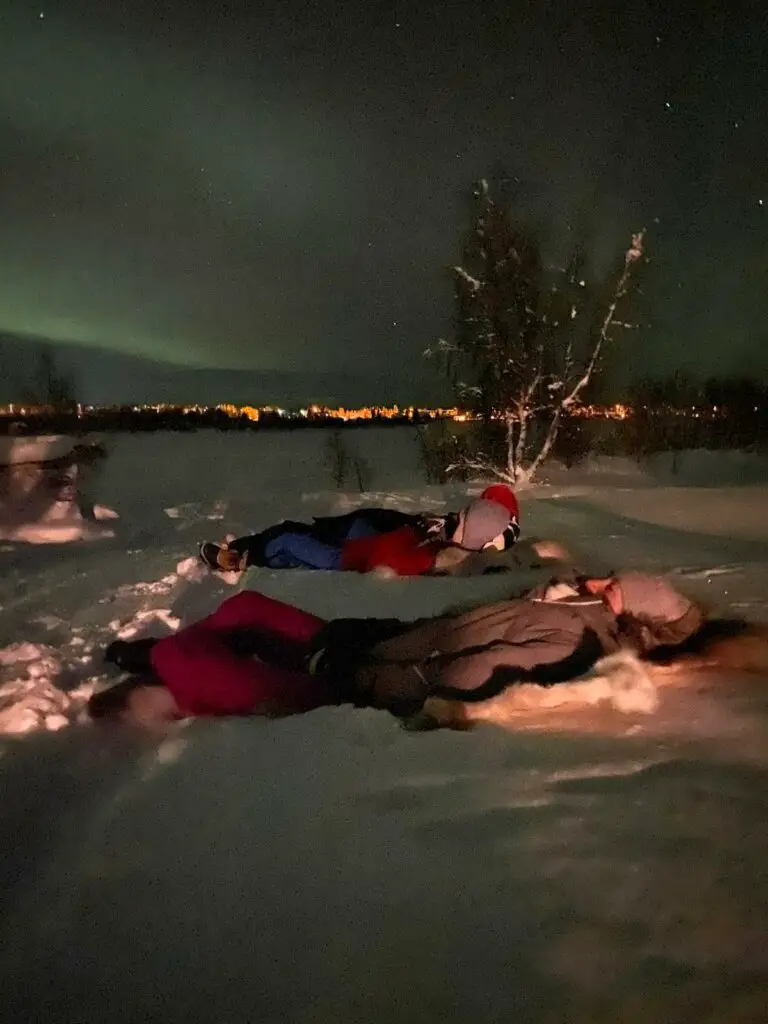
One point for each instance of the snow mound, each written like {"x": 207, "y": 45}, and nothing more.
{"x": 697, "y": 467}
{"x": 159, "y": 587}
{"x": 56, "y": 533}
{"x": 581, "y": 865}
{"x": 40, "y": 480}
{"x": 16, "y": 451}
{"x": 141, "y": 620}
{"x": 103, "y": 512}
{"x": 191, "y": 569}
{"x": 192, "y": 512}
{"x": 31, "y": 700}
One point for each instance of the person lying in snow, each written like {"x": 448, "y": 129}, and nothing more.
{"x": 376, "y": 539}
{"x": 256, "y": 655}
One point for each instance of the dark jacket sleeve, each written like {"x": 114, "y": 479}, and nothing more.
{"x": 478, "y": 675}
{"x": 336, "y": 529}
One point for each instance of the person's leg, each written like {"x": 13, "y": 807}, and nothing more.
{"x": 250, "y": 610}
{"x": 248, "y": 623}
{"x": 207, "y": 678}
{"x": 254, "y": 545}
{"x": 251, "y": 549}
{"x": 300, "y": 551}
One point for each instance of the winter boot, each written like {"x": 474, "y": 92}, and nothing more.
{"x": 132, "y": 656}
{"x": 220, "y": 558}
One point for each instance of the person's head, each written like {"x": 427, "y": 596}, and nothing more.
{"x": 503, "y": 494}
{"x": 480, "y": 523}
{"x": 656, "y": 613}
{"x": 138, "y": 701}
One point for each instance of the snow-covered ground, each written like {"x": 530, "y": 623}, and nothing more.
{"x": 582, "y": 864}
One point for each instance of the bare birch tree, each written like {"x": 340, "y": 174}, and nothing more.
{"x": 527, "y": 341}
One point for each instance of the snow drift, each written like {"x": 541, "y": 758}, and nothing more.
{"x": 40, "y": 493}
{"x": 596, "y": 860}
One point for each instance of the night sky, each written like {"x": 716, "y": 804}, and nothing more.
{"x": 278, "y": 185}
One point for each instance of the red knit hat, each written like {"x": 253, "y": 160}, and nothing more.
{"x": 503, "y": 495}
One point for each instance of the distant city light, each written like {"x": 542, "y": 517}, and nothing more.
{"x": 322, "y": 413}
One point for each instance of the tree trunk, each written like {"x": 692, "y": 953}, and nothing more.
{"x": 549, "y": 441}
{"x": 516, "y": 468}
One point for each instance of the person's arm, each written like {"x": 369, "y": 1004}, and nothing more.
{"x": 553, "y": 657}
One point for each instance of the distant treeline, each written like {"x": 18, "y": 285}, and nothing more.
{"x": 147, "y": 419}
{"x": 732, "y": 395}
{"x": 672, "y": 414}
{"x": 675, "y": 414}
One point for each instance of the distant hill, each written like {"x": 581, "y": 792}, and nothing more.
{"x": 103, "y": 377}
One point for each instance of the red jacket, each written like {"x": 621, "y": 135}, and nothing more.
{"x": 400, "y": 550}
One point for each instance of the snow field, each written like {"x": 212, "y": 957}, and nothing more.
{"x": 599, "y": 858}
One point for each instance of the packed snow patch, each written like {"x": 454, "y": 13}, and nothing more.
{"x": 621, "y": 680}
{"x": 41, "y": 479}
{"x": 194, "y": 512}
{"x": 191, "y": 569}
{"x": 15, "y": 450}
{"x": 30, "y": 699}
{"x": 62, "y": 532}
{"x": 159, "y": 587}
{"x": 103, "y": 512}
{"x": 141, "y": 620}
{"x": 583, "y": 865}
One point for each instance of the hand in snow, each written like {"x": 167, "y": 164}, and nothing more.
{"x": 384, "y": 572}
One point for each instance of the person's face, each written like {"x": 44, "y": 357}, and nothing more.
{"x": 609, "y": 590}
{"x": 458, "y": 535}
{"x": 150, "y": 707}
